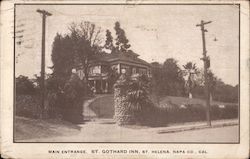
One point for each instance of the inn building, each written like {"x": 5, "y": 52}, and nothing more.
{"x": 128, "y": 62}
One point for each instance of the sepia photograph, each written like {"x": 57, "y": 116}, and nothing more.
{"x": 126, "y": 73}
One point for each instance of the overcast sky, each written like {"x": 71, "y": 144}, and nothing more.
{"x": 155, "y": 33}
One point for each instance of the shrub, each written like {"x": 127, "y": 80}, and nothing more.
{"x": 24, "y": 85}
{"x": 197, "y": 112}
{"x": 72, "y": 99}
{"x": 28, "y": 106}
{"x": 133, "y": 105}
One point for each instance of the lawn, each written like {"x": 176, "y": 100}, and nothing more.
{"x": 170, "y": 101}
{"x": 27, "y": 128}
{"x": 103, "y": 106}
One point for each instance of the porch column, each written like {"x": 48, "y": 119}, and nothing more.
{"x": 119, "y": 68}
{"x": 106, "y": 87}
{"x": 95, "y": 86}
{"x": 101, "y": 86}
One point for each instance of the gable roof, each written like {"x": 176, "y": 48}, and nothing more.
{"x": 119, "y": 56}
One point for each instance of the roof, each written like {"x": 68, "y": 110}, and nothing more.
{"x": 118, "y": 56}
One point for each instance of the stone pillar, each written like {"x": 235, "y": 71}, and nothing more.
{"x": 123, "y": 114}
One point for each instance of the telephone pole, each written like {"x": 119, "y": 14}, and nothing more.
{"x": 42, "y": 84}
{"x": 206, "y": 61}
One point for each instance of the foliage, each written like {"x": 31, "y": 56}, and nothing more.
{"x": 73, "y": 99}
{"x": 73, "y": 50}
{"x": 62, "y": 58}
{"x": 167, "y": 78}
{"x": 138, "y": 93}
{"x": 122, "y": 43}
{"x": 190, "y": 70}
{"x": 132, "y": 102}
{"x": 73, "y": 88}
{"x": 28, "y": 105}
{"x": 109, "y": 41}
{"x": 218, "y": 89}
{"x": 24, "y": 85}
{"x": 211, "y": 81}
{"x": 113, "y": 76}
{"x": 225, "y": 93}
{"x": 196, "y": 112}
{"x": 86, "y": 43}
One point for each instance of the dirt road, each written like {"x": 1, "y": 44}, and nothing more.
{"x": 108, "y": 131}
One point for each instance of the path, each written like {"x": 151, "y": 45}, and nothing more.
{"x": 89, "y": 113}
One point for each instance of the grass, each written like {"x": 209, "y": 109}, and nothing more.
{"x": 27, "y": 128}
{"x": 170, "y": 101}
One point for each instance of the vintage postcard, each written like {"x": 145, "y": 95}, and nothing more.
{"x": 124, "y": 79}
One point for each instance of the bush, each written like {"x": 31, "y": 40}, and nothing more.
{"x": 72, "y": 99}
{"x": 28, "y": 106}
{"x": 24, "y": 85}
{"x": 198, "y": 113}
{"x": 153, "y": 116}
{"x": 133, "y": 104}
{"x": 161, "y": 116}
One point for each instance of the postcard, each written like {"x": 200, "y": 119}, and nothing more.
{"x": 124, "y": 79}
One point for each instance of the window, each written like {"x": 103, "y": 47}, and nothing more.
{"x": 95, "y": 69}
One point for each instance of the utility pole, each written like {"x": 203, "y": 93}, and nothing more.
{"x": 206, "y": 61}
{"x": 42, "y": 84}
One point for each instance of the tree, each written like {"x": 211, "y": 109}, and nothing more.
{"x": 75, "y": 50}
{"x": 167, "y": 78}
{"x": 156, "y": 82}
{"x": 190, "y": 71}
{"x": 211, "y": 83}
{"x": 86, "y": 43}
{"x": 122, "y": 43}
{"x": 109, "y": 41}
{"x": 62, "y": 58}
{"x": 113, "y": 76}
{"x": 219, "y": 91}
{"x": 173, "y": 78}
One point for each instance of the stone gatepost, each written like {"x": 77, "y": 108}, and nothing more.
{"x": 123, "y": 113}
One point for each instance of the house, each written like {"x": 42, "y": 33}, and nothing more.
{"x": 127, "y": 62}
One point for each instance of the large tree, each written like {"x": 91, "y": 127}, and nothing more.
{"x": 122, "y": 43}
{"x": 62, "y": 58}
{"x": 75, "y": 50}
{"x": 86, "y": 43}
{"x": 167, "y": 78}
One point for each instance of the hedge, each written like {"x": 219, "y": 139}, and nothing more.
{"x": 189, "y": 113}
{"x": 28, "y": 106}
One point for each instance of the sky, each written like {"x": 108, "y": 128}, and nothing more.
{"x": 155, "y": 32}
